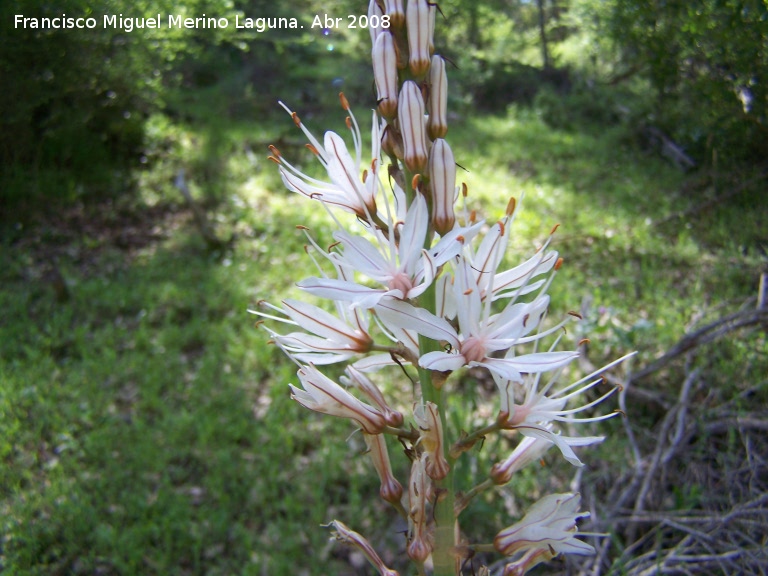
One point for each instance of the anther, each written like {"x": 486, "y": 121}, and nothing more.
{"x": 296, "y": 119}
{"x": 312, "y": 149}
{"x": 344, "y": 101}
{"x": 501, "y": 226}
{"x": 464, "y": 189}
{"x": 467, "y": 292}
{"x": 559, "y": 263}
{"x": 348, "y": 122}
{"x": 274, "y": 150}
{"x": 576, "y": 315}
{"x": 584, "y": 342}
{"x": 461, "y": 239}
{"x": 511, "y": 205}
{"x": 332, "y": 246}
{"x": 301, "y": 227}
{"x": 275, "y": 160}
{"x": 554, "y": 229}
{"x": 365, "y": 176}
{"x": 416, "y": 181}
{"x": 525, "y": 319}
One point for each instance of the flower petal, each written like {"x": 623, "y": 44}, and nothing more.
{"x": 409, "y": 317}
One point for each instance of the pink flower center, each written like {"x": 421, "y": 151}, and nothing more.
{"x": 401, "y": 281}
{"x": 473, "y": 349}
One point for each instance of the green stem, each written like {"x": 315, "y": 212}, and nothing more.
{"x": 443, "y": 553}
{"x": 463, "y": 501}
{"x": 466, "y": 443}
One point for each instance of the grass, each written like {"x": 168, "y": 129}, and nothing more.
{"x": 145, "y": 424}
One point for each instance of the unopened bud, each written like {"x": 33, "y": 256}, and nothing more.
{"x": 410, "y": 113}
{"x": 419, "y": 36}
{"x": 437, "y": 125}
{"x": 385, "y": 74}
{"x": 432, "y": 18}
{"x": 394, "y": 9}
{"x": 442, "y": 177}
{"x": 374, "y": 15}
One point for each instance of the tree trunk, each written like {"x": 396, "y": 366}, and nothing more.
{"x": 543, "y": 35}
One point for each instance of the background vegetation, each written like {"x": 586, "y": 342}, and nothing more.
{"x": 145, "y": 425}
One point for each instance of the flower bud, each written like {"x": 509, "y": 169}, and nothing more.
{"x": 360, "y": 381}
{"x": 427, "y": 417}
{"x": 442, "y": 177}
{"x": 410, "y": 113}
{"x": 391, "y": 490}
{"x": 419, "y": 35}
{"x": 437, "y": 124}
{"x": 374, "y": 11}
{"x": 432, "y": 18}
{"x": 384, "y": 58}
{"x": 394, "y": 9}
{"x": 419, "y": 489}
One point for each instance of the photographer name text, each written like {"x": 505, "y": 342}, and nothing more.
{"x": 261, "y": 24}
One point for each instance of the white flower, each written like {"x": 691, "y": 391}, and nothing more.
{"x": 534, "y": 416}
{"x": 517, "y": 281}
{"x": 350, "y": 188}
{"x": 480, "y": 334}
{"x": 323, "y": 395}
{"x": 528, "y": 450}
{"x": 549, "y": 524}
{"x": 330, "y": 340}
{"x": 404, "y": 269}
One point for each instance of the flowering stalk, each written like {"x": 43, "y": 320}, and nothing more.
{"x": 419, "y": 286}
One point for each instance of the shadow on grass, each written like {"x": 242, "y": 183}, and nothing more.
{"x": 146, "y": 426}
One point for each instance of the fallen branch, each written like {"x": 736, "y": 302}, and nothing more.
{"x": 704, "y": 335}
